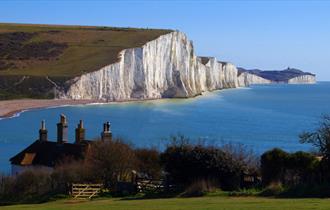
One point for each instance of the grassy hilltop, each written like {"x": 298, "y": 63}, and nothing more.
{"x": 201, "y": 203}
{"x": 31, "y": 56}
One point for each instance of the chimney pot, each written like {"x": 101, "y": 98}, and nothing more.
{"x": 43, "y": 132}
{"x": 106, "y": 135}
{"x": 62, "y": 130}
{"x": 80, "y": 133}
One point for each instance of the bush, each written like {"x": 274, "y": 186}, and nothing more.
{"x": 301, "y": 167}
{"x": 289, "y": 169}
{"x": 71, "y": 171}
{"x": 111, "y": 161}
{"x": 30, "y": 186}
{"x": 199, "y": 188}
{"x": 148, "y": 162}
{"x": 307, "y": 191}
{"x": 273, "y": 166}
{"x": 186, "y": 163}
{"x": 274, "y": 189}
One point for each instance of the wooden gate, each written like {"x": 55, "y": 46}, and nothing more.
{"x": 85, "y": 191}
{"x": 145, "y": 185}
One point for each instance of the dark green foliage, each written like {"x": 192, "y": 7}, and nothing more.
{"x": 273, "y": 165}
{"x": 15, "y": 46}
{"x": 314, "y": 190}
{"x": 279, "y": 167}
{"x": 12, "y": 87}
{"x": 274, "y": 189}
{"x": 30, "y": 186}
{"x": 187, "y": 163}
{"x": 111, "y": 161}
{"x": 148, "y": 162}
{"x": 200, "y": 188}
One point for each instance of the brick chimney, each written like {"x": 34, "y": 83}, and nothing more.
{"x": 62, "y": 130}
{"x": 106, "y": 135}
{"x": 43, "y": 132}
{"x": 80, "y": 132}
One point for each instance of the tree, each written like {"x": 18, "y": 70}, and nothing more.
{"x": 273, "y": 166}
{"x": 148, "y": 162}
{"x": 320, "y": 138}
{"x": 111, "y": 161}
{"x": 188, "y": 163}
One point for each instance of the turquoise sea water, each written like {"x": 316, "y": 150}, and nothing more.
{"x": 260, "y": 117}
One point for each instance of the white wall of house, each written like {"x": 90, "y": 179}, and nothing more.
{"x": 17, "y": 169}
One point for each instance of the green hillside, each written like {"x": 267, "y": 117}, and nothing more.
{"x": 202, "y": 203}
{"x": 44, "y": 53}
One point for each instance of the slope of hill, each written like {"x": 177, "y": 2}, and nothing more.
{"x": 35, "y": 58}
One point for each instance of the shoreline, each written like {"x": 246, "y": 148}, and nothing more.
{"x": 11, "y": 108}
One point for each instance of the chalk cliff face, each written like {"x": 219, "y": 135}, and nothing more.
{"x": 289, "y": 75}
{"x": 164, "y": 67}
{"x": 246, "y": 79}
{"x": 304, "y": 79}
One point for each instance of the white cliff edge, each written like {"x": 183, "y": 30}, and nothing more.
{"x": 164, "y": 67}
{"x": 246, "y": 79}
{"x": 303, "y": 79}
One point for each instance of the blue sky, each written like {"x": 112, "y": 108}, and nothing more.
{"x": 250, "y": 34}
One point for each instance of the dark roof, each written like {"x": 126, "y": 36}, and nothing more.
{"x": 49, "y": 153}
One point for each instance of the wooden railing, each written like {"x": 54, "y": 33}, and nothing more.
{"x": 85, "y": 191}
{"x": 144, "y": 185}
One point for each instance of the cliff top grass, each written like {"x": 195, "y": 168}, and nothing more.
{"x": 65, "y": 51}
{"x": 211, "y": 203}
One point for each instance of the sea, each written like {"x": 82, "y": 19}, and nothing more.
{"x": 260, "y": 117}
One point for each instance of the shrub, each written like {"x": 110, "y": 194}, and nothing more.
{"x": 30, "y": 186}
{"x": 71, "y": 171}
{"x": 186, "y": 163}
{"x": 289, "y": 169}
{"x": 111, "y": 161}
{"x": 148, "y": 162}
{"x": 273, "y": 166}
{"x": 274, "y": 189}
{"x": 307, "y": 191}
{"x": 301, "y": 167}
{"x": 200, "y": 188}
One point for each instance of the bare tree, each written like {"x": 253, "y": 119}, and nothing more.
{"x": 111, "y": 161}
{"x": 320, "y": 138}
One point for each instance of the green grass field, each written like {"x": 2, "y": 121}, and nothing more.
{"x": 88, "y": 48}
{"x": 202, "y": 203}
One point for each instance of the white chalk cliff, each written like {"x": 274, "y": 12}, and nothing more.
{"x": 246, "y": 79}
{"x": 164, "y": 67}
{"x": 303, "y": 79}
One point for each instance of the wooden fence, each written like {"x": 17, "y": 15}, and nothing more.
{"x": 85, "y": 191}
{"x": 144, "y": 185}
